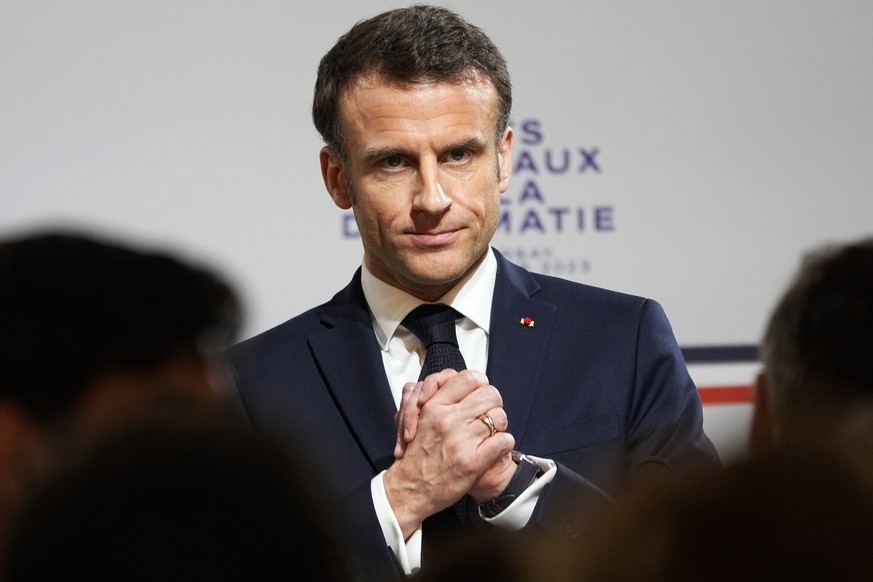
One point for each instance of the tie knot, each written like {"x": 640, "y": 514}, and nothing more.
{"x": 433, "y": 323}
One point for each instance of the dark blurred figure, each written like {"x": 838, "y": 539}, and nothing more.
{"x": 200, "y": 500}
{"x": 794, "y": 513}
{"x": 508, "y": 556}
{"x": 800, "y": 506}
{"x": 817, "y": 353}
{"x": 798, "y": 513}
{"x": 95, "y": 334}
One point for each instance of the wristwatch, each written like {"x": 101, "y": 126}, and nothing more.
{"x": 525, "y": 474}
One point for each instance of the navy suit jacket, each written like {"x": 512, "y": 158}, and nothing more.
{"x": 597, "y": 383}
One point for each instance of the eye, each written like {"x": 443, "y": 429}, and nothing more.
{"x": 392, "y": 162}
{"x": 459, "y": 156}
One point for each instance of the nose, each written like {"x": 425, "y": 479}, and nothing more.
{"x": 430, "y": 196}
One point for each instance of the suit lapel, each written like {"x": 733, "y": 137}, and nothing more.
{"x": 517, "y": 350}
{"x": 350, "y": 360}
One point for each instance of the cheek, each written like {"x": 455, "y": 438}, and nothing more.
{"x": 376, "y": 212}
{"x": 491, "y": 213}
{"x": 486, "y": 201}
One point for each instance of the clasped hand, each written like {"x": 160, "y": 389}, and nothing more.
{"x": 444, "y": 450}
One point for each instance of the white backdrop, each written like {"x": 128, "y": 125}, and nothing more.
{"x": 688, "y": 151}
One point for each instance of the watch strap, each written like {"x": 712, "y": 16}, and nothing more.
{"x": 525, "y": 474}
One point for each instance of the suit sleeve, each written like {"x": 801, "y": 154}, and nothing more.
{"x": 663, "y": 432}
{"x": 665, "y": 417}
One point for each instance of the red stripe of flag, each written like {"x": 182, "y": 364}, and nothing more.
{"x": 726, "y": 394}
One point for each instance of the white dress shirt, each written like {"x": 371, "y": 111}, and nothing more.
{"x": 403, "y": 355}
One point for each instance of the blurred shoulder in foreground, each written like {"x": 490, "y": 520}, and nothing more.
{"x": 194, "y": 498}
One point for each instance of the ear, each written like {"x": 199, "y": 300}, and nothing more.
{"x": 333, "y": 173}
{"x": 23, "y": 455}
{"x": 761, "y": 433}
{"x": 504, "y": 159}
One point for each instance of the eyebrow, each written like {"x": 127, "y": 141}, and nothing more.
{"x": 471, "y": 143}
{"x": 375, "y": 153}
{"x": 378, "y": 153}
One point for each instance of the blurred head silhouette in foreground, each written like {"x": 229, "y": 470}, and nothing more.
{"x": 817, "y": 381}
{"x": 96, "y": 334}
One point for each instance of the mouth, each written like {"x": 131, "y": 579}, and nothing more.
{"x": 435, "y": 238}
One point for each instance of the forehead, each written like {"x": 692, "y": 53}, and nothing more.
{"x": 374, "y": 103}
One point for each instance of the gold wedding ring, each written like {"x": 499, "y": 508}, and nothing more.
{"x": 488, "y": 422}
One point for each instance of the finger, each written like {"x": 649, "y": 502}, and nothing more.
{"x": 458, "y": 386}
{"x": 433, "y": 383}
{"x": 490, "y": 422}
{"x": 494, "y": 479}
{"x": 415, "y": 399}
{"x": 496, "y": 447}
{"x": 405, "y": 395}
{"x": 411, "y": 412}
{"x": 400, "y": 418}
{"x": 480, "y": 401}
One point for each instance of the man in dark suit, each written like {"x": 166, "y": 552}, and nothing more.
{"x": 413, "y": 105}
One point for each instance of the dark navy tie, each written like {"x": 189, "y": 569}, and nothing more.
{"x": 434, "y": 325}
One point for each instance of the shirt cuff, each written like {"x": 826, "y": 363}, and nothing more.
{"x": 408, "y": 552}
{"x": 518, "y": 513}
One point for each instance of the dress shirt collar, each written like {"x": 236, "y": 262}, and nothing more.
{"x": 471, "y": 297}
